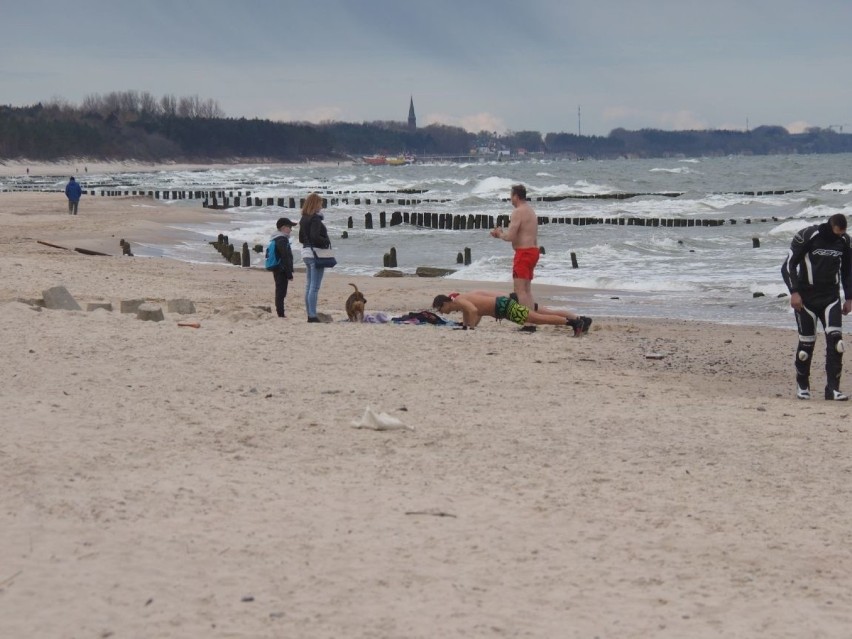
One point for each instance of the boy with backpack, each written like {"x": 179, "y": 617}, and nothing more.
{"x": 279, "y": 260}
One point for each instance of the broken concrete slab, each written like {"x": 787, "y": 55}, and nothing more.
{"x": 181, "y": 307}
{"x": 59, "y": 298}
{"x": 150, "y": 313}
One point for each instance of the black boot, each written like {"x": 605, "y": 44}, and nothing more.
{"x": 804, "y": 353}
{"x": 834, "y": 366}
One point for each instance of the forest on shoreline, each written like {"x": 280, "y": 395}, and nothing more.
{"x": 135, "y": 126}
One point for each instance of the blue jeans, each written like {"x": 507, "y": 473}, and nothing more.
{"x": 312, "y": 285}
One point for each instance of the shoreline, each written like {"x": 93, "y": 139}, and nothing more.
{"x": 77, "y": 167}
{"x": 731, "y": 302}
{"x": 103, "y": 222}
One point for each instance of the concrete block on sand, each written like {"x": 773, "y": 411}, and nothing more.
{"x": 59, "y": 298}
{"x": 131, "y": 306}
{"x": 181, "y": 307}
{"x": 431, "y": 271}
{"x": 150, "y": 313}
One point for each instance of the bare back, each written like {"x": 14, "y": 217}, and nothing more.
{"x": 523, "y": 227}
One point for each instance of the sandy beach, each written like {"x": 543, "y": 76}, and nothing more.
{"x": 168, "y": 481}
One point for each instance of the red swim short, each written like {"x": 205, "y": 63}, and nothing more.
{"x": 524, "y": 264}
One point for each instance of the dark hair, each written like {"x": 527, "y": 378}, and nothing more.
{"x": 838, "y": 220}
{"x": 520, "y": 190}
{"x": 440, "y": 300}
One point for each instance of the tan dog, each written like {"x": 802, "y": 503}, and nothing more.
{"x": 355, "y": 305}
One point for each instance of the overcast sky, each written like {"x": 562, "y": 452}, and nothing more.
{"x": 495, "y": 65}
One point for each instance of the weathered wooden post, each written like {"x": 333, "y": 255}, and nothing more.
{"x": 459, "y": 258}
{"x": 349, "y": 223}
{"x": 393, "y": 257}
{"x": 246, "y": 255}
{"x": 755, "y": 242}
{"x": 574, "y": 260}
{"x": 382, "y": 220}
{"x": 467, "y": 256}
{"x": 368, "y": 220}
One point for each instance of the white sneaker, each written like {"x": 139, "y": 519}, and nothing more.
{"x": 835, "y": 395}
{"x": 803, "y": 393}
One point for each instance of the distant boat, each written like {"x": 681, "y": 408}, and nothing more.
{"x": 375, "y": 160}
{"x": 400, "y": 160}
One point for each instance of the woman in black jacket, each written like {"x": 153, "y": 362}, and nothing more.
{"x": 312, "y": 234}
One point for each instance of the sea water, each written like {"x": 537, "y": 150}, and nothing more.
{"x": 726, "y": 274}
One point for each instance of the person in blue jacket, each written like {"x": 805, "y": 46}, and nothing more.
{"x": 73, "y": 192}
{"x": 284, "y": 273}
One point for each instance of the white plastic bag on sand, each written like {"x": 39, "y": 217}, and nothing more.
{"x": 380, "y": 421}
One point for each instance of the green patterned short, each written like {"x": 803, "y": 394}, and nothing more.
{"x": 506, "y": 308}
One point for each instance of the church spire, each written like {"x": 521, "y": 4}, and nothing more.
{"x": 412, "y": 120}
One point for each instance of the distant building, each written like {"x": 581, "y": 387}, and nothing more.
{"x": 412, "y": 120}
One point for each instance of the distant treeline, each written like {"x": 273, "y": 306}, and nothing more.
{"x": 133, "y": 125}
{"x": 762, "y": 140}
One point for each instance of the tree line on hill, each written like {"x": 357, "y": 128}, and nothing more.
{"x": 136, "y": 125}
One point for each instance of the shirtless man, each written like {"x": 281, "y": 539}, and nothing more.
{"x": 538, "y": 308}
{"x": 522, "y": 232}
{"x": 475, "y": 306}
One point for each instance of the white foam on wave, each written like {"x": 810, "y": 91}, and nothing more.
{"x": 493, "y": 187}
{"x": 588, "y": 281}
{"x": 346, "y": 179}
{"x": 580, "y": 187}
{"x": 677, "y": 170}
{"x": 839, "y": 187}
{"x": 817, "y": 211}
{"x": 789, "y": 228}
